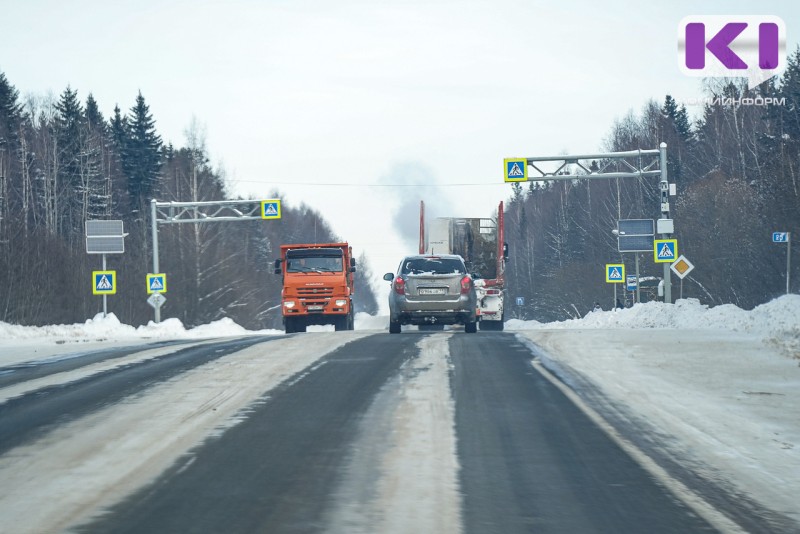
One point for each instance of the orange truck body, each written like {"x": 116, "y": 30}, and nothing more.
{"x": 318, "y": 285}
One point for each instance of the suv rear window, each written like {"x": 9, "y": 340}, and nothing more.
{"x": 433, "y": 266}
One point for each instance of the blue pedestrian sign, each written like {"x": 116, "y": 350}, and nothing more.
{"x": 615, "y": 273}
{"x": 780, "y": 237}
{"x": 156, "y": 283}
{"x": 520, "y": 301}
{"x": 104, "y": 282}
{"x": 665, "y": 250}
{"x": 271, "y": 209}
{"x": 516, "y": 169}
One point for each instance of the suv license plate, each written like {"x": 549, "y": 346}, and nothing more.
{"x": 432, "y": 291}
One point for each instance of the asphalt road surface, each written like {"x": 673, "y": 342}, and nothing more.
{"x": 417, "y": 432}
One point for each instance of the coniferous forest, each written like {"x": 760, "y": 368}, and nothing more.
{"x": 62, "y": 163}
{"x": 737, "y": 172}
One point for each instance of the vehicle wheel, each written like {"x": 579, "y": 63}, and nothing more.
{"x": 340, "y": 323}
{"x": 394, "y": 327}
{"x": 289, "y": 325}
{"x": 471, "y": 327}
{"x": 351, "y": 322}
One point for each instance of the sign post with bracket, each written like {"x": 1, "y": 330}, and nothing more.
{"x": 682, "y": 267}
{"x": 785, "y": 237}
{"x": 104, "y": 237}
{"x": 638, "y": 164}
{"x": 203, "y": 212}
{"x": 615, "y": 274}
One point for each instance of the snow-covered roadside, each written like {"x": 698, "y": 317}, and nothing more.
{"x": 35, "y": 344}
{"x": 93, "y": 462}
{"x": 720, "y": 385}
{"x": 47, "y": 343}
{"x": 777, "y": 322}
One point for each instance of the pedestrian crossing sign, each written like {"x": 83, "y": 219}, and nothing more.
{"x": 156, "y": 283}
{"x": 271, "y": 209}
{"x": 615, "y": 273}
{"x": 665, "y": 250}
{"x": 105, "y": 282}
{"x": 516, "y": 169}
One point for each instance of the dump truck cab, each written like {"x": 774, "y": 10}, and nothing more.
{"x": 318, "y": 285}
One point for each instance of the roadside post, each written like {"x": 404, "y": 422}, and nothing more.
{"x": 785, "y": 237}
{"x": 104, "y": 237}
{"x": 635, "y": 235}
{"x": 682, "y": 267}
{"x": 615, "y": 274}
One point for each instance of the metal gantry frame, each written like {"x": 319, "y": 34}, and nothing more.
{"x": 630, "y": 164}
{"x": 198, "y": 212}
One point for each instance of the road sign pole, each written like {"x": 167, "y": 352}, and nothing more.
{"x": 638, "y": 294}
{"x": 788, "y": 258}
{"x": 105, "y": 301}
{"x": 662, "y": 149}
{"x": 156, "y": 309}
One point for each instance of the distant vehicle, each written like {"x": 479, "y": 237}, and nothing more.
{"x": 318, "y": 285}
{"x": 432, "y": 290}
{"x": 480, "y": 242}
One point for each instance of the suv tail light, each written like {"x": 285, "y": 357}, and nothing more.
{"x": 399, "y": 286}
{"x": 466, "y": 284}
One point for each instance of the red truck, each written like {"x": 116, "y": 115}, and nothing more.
{"x": 317, "y": 285}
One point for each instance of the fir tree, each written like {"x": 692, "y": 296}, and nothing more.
{"x": 94, "y": 118}
{"x": 10, "y": 120}
{"x": 10, "y": 111}
{"x": 141, "y": 157}
{"x": 70, "y": 137}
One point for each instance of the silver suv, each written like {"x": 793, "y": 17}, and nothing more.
{"x": 432, "y": 290}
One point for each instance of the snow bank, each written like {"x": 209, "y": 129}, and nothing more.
{"x": 776, "y": 322}
{"x": 110, "y": 327}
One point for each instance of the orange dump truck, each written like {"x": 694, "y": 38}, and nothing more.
{"x": 317, "y": 285}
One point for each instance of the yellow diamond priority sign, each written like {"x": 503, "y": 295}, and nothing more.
{"x": 681, "y": 267}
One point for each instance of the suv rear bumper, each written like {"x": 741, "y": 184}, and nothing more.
{"x": 406, "y": 311}
{"x": 422, "y": 317}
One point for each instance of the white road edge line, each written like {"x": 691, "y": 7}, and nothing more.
{"x": 691, "y": 499}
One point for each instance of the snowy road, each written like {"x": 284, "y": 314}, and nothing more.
{"x": 368, "y": 432}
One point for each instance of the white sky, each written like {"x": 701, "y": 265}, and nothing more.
{"x": 306, "y": 96}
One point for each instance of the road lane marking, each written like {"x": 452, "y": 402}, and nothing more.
{"x": 691, "y": 499}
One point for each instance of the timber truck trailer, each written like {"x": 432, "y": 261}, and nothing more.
{"x": 481, "y": 243}
{"x": 318, "y": 285}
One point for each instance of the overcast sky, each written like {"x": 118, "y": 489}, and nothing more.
{"x": 362, "y": 108}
